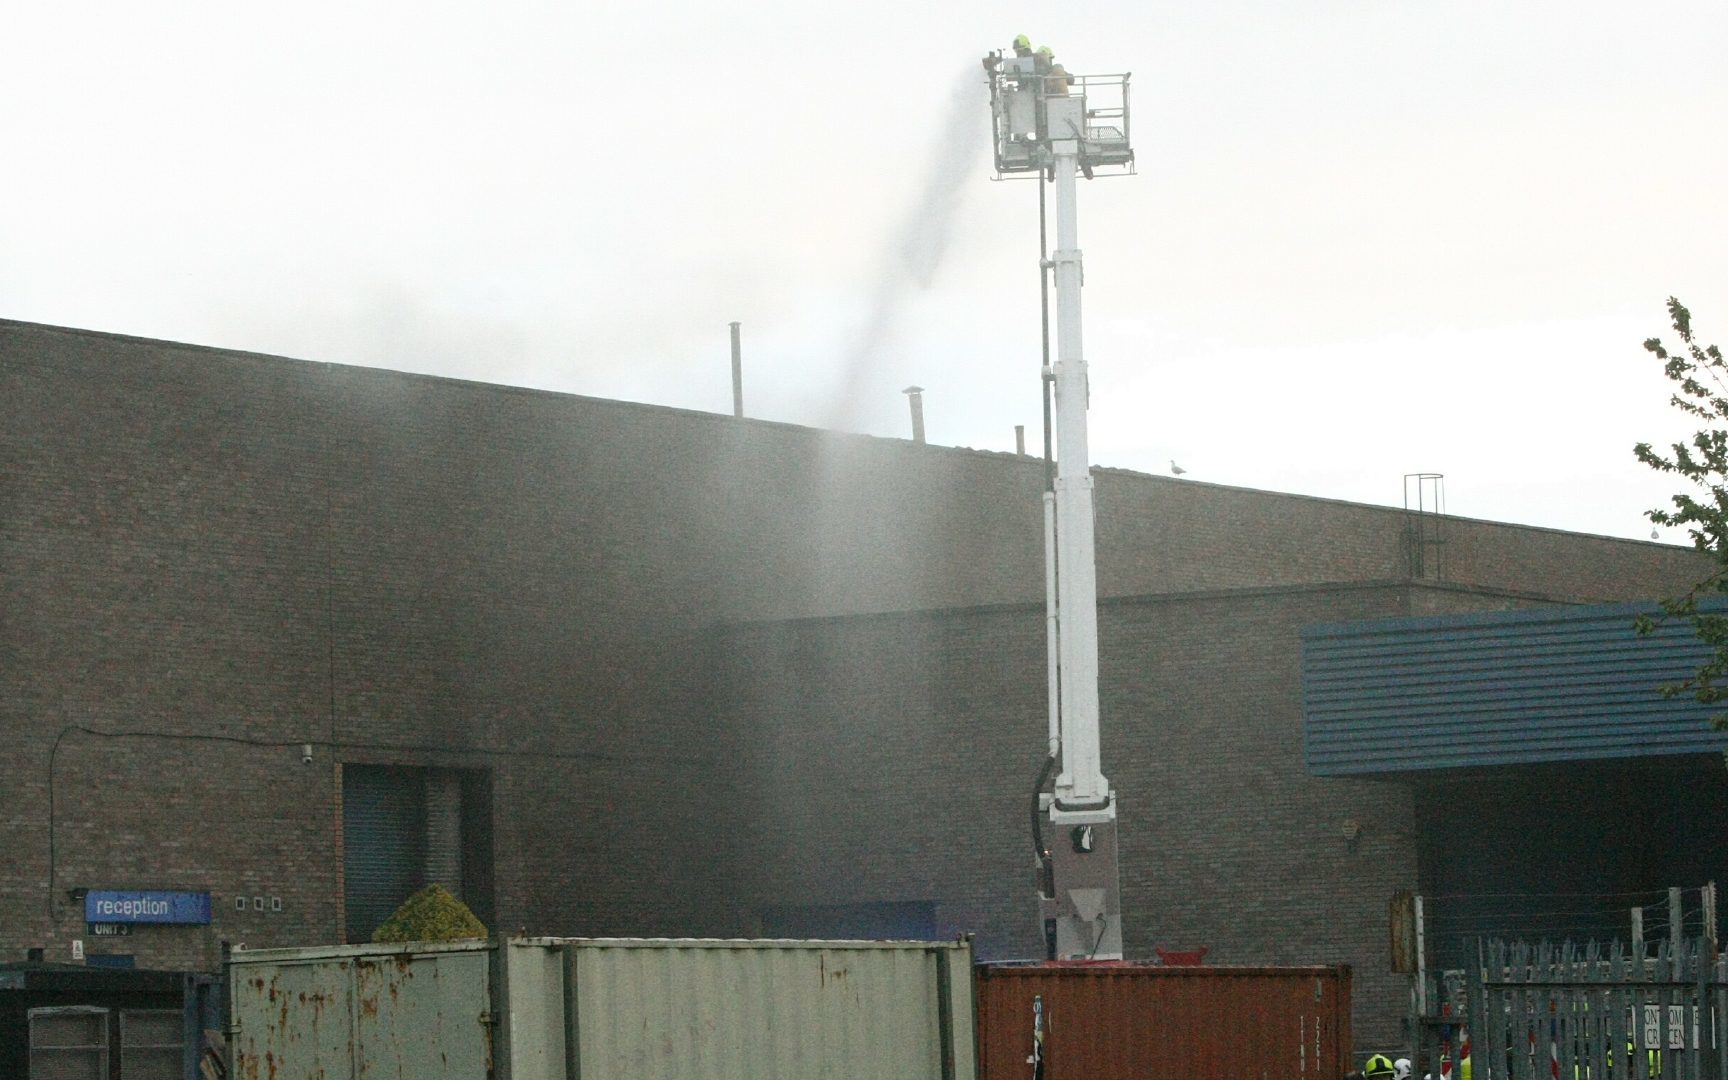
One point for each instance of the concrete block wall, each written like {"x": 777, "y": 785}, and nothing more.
{"x": 894, "y": 757}
{"x": 229, "y": 556}
{"x": 1159, "y": 535}
{"x": 237, "y": 554}
{"x": 163, "y": 573}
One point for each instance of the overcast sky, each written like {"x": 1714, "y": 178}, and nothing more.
{"x": 1368, "y": 237}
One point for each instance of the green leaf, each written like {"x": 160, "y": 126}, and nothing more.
{"x": 1702, "y": 461}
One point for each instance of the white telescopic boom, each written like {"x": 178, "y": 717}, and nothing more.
{"x": 1044, "y": 123}
{"x": 1080, "y": 786}
{"x": 1052, "y": 624}
{"x": 1083, "y": 918}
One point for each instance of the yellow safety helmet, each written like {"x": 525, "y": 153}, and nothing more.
{"x": 1022, "y": 42}
{"x": 1045, "y": 50}
{"x": 1378, "y": 1065}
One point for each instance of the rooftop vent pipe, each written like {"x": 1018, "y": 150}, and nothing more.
{"x": 737, "y": 372}
{"x": 915, "y": 397}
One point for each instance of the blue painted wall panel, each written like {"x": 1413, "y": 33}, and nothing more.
{"x": 1498, "y": 688}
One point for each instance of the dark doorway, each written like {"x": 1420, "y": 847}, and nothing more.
{"x": 406, "y": 826}
{"x": 1567, "y": 851}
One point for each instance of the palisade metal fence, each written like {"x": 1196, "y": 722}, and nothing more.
{"x": 1528, "y": 1010}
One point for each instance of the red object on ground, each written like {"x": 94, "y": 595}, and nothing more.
{"x": 1151, "y": 1020}
{"x": 1182, "y": 957}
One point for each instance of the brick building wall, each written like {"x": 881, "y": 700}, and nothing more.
{"x": 894, "y": 757}
{"x": 599, "y": 603}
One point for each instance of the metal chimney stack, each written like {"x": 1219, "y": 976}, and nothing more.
{"x": 737, "y": 372}
{"x": 915, "y": 397}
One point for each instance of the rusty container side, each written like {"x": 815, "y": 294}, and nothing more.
{"x": 1132, "y": 1020}
{"x": 373, "y": 1010}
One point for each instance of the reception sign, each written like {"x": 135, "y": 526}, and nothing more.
{"x": 146, "y": 906}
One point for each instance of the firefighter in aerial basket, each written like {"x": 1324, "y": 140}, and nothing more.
{"x": 1057, "y": 81}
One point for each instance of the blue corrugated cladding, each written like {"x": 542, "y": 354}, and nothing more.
{"x": 1498, "y": 688}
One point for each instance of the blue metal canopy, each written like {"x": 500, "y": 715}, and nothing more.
{"x": 1498, "y": 688}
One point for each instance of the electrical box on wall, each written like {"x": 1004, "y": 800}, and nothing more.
{"x": 272, "y": 904}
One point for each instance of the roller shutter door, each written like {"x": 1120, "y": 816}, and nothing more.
{"x": 383, "y": 842}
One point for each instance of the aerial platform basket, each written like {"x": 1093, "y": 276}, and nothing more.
{"x": 1032, "y": 108}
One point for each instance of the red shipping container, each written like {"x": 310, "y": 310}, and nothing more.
{"x": 1148, "y": 1022}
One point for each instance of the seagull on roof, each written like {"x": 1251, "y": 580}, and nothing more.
{"x": 1175, "y": 469}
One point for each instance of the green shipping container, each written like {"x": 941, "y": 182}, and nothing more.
{"x": 607, "y": 1009}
